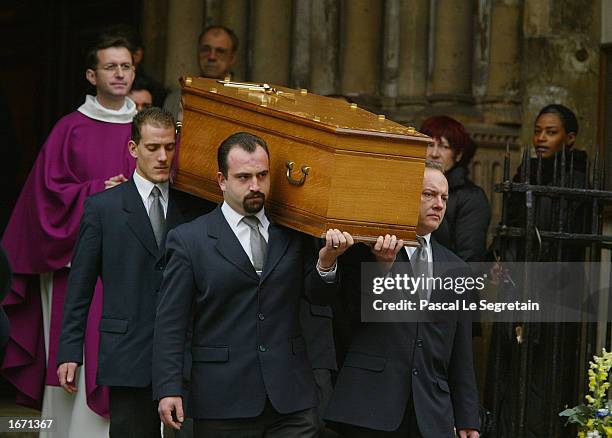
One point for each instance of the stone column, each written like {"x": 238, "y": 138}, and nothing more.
{"x": 300, "y": 50}
{"x": 452, "y": 41}
{"x": 235, "y": 15}
{"x": 154, "y": 33}
{"x": 360, "y": 60}
{"x": 213, "y": 12}
{"x": 391, "y": 49}
{"x": 324, "y": 46}
{"x": 185, "y": 19}
{"x": 271, "y": 20}
{"x": 412, "y": 82}
{"x": 504, "y": 71}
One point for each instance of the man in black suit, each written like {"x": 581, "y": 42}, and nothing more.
{"x": 121, "y": 240}
{"x": 408, "y": 379}
{"x": 242, "y": 278}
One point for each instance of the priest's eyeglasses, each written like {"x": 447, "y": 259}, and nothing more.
{"x": 123, "y": 68}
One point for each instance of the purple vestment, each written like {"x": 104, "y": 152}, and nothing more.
{"x": 78, "y": 156}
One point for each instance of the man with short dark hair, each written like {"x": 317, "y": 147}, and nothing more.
{"x": 242, "y": 278}
{"x": 122, "y": 240}
{"x": 408, "y": 379}
{"x": 84, "y": 154}
{"x": 217, "y": 46}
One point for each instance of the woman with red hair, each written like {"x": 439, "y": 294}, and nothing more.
{"x": 465, "y": 224}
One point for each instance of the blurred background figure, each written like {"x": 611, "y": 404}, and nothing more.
{"x": 464, "y": 228}
{"x": 217, "y": 46}
{"x": 142, "y": 93}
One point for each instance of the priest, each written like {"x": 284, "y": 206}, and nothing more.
{"x": 85, "y": 153}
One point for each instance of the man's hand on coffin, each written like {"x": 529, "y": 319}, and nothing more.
{"x": 385, "y": 250}
{"x": 114, "y": 181}
{"x": 336, "y": 242}
{"x": 66, "y": 373}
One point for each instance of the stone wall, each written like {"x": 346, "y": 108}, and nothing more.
{"x": 492, "y": 64}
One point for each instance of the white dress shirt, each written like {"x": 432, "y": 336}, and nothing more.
{"x": 243, "y": 233}
{"x": 144, "y": 187}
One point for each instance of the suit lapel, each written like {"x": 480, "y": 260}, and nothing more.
{"x": 138, "y": 219}
{"x": 278, "y": 241}
{"x": 228, "y": 245}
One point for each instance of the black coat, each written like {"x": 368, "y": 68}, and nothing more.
{"x": 466, "y": 221}
{"x": 389, "y": 362}
{"x": 117, "y": 244}
{"x": 247, "y": 341}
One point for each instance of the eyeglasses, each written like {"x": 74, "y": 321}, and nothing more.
{"x": 124, "y": 68}
{"x": 219, "y": 52}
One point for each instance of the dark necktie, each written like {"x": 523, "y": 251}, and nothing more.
{"x": 156, "y": 215}
{"x": 422, "y": 267}
{"x": 258, "y": 243}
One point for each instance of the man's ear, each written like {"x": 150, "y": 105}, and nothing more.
{"x": 90, "y": 75}
{"x": 221, "y": 180}
{"x": 133, "y": 148}
{"x": 571, "y": 138}
{"x": 458, "y": 156}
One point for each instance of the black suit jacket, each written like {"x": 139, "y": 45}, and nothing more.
{"x": 247, "y": 342}
{"x": 389, "y": 362}
{"x": 116, "y": 242}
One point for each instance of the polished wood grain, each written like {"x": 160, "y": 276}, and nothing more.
{"x": 365, "y": 173}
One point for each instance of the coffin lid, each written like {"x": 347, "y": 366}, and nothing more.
{"x": 300, "y": 106}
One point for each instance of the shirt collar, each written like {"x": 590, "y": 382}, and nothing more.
{"x": 233, "y": 217}
{"x": 427, "y": 238}
{"x": 92, "y": 109}
{"x": 145, "y": 186}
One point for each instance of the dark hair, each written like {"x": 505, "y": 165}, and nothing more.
{"x": 244, "y": 140}
{"x": 227, "y": 30}
{"x": 154, "y": 116}
{"x": 105, "y": 41}
{"x": 566, "y": 115}
{"x": 458, "y": 138}
{"x": 128, "y": 32}
{"x": 143, "y": 83}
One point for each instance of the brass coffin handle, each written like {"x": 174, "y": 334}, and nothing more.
{"x": 293, "y": 181}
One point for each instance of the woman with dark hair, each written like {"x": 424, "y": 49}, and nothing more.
{"x": 465, "y": 224}
{"x": 555, "y": 129}
{"x": 551, "y": 347}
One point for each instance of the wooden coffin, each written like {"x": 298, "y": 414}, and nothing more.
{"x": 332, "y": 165}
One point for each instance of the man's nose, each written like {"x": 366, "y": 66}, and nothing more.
{"x": 162, "y": 155}
{"x": 438, "y": 202}
{"x": 254, "y": 186}
{"x": 434, "y": 151}
{"x": 212, "y": 54}
{"x": 541, "y": 136}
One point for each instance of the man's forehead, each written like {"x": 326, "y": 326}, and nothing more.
{"x": 435, "y": 180}
{"x": 217, "y": 35}
{"x": 238, "y": 157}
{"x": 114, "y": 54}
{"x": 150, "y": 131}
